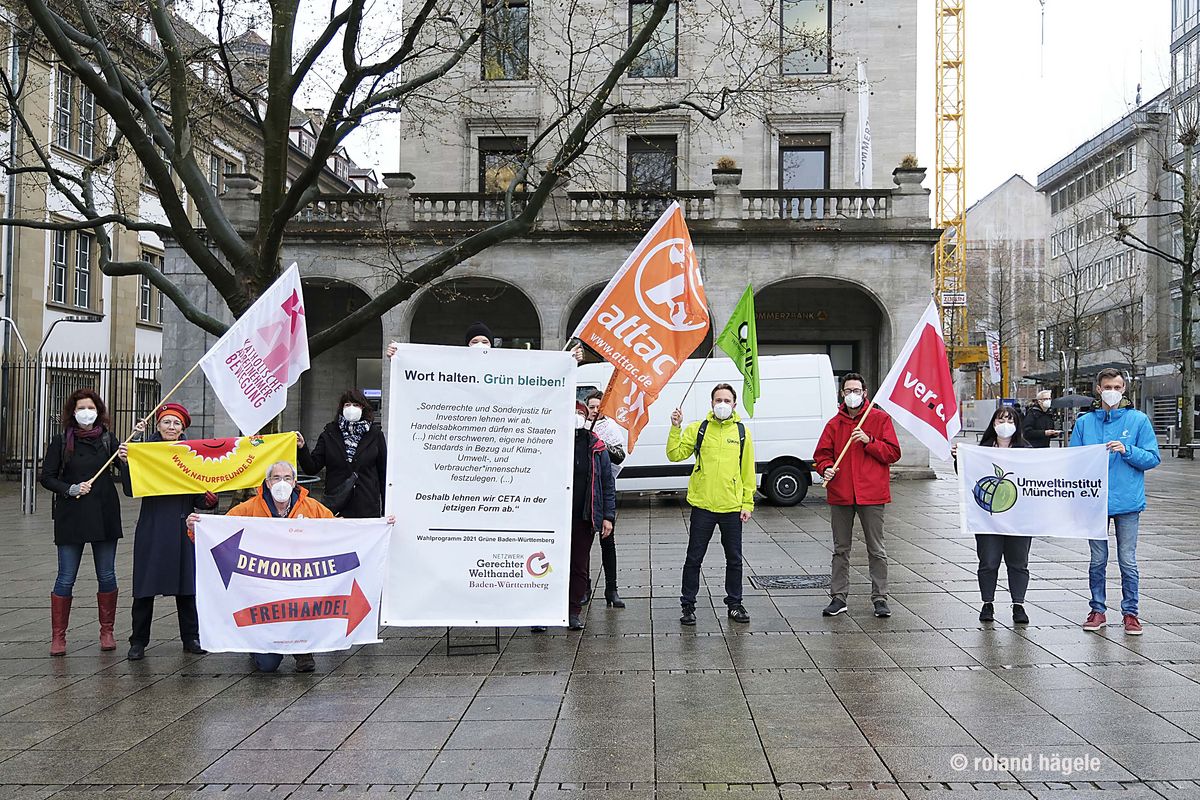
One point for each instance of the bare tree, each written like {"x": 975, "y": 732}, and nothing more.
{"x": 1177, "y": 208}
{"x": 163, "y": 88}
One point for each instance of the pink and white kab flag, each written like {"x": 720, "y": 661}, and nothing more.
{"x": 251, "y": 367}
{"x": 919, "y": 390}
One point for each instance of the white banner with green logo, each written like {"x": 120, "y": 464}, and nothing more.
{"x": 1056, "y": 491}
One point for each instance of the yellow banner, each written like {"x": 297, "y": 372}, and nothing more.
{"x": 193, "y": 466}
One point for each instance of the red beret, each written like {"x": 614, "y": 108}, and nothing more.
{"x": 176, "y": 410}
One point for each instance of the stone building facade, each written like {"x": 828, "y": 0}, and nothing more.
{"x": 838, "y": 268}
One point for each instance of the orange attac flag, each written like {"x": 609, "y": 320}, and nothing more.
{"x": 650, "y": 317}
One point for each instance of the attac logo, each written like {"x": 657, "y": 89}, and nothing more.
{"x": 537, "y": 566}
{"x": 648, "y": 320}
{"x": 918, "y": 391}
{"x": 995, "y": 494}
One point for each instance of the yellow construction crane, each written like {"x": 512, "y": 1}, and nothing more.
{"x": 950, "y": 193}
{"x": 950, "y": 199}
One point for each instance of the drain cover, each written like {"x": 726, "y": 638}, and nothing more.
{"x": 789, "y": 581}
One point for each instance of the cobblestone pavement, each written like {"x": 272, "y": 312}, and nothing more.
{"x": 790, "y": 706}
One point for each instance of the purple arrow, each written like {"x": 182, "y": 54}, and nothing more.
{"x": 230, "y": 558}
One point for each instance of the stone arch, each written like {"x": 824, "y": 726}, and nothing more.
{"x": 355, "y": 362}
{"x": 442, "y": 312}
{"x": 843, "y": 318}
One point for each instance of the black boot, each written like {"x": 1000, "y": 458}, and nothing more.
{"x": 608, "y": 557}
{"x": 613, "y": 599}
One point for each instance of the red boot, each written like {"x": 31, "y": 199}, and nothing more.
{"x": 60, "y": 617}
{"x": 107, "y": 602}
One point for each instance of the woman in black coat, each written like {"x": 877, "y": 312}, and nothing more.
{"x": 84, "y": 511}
{"x": 351, "y": 447}
{"x": 1004, "y": 430}
{"x": 164, "y": 556}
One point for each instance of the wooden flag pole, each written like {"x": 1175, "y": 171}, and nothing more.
{"x": 148, "y": 417}
{"x": 858, "y": 427}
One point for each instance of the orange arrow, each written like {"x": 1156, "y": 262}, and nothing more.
{"x": 352, "y": 607}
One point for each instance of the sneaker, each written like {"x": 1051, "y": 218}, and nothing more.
{"x": 881, "y": 608}
{"x": 689, "y": 616}
{"x": 537, "y": 628}
{"x": 574, "y": 622}
{"x": 835, "y": 607}
{"x": 1095, "y": 621}
{"x": 987, "y": 613}
{"x": 738, "y": 613}
{"x": 305, "y": 663}
{"x": 1019, "y": 615}
{"x": 1132, "y": 626}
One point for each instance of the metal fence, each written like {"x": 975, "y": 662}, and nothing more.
{"x": 34, "y": 390}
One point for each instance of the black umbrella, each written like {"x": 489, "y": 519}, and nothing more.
{"x": 1073, "y": 401}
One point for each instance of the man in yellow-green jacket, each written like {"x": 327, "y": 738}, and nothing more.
{"x": 720, "y": 492}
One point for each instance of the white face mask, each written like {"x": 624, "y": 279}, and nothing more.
{"x": 351, "y": 413}
{"x": 722, "y": 410}
{"x": 481, "y": 345}
{"x": 1045, "y": 404}
{"x": 1005, "y": 430}
{"x": 281, "y": 491}
{"x": 854, "y": 400}
{"x": 1111, "y": 397}
{"x": 86, "y": 416}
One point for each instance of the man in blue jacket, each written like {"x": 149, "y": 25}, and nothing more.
{"x": 1132, "y": 449}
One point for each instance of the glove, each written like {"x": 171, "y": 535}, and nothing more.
{"x": 73, "y": 491}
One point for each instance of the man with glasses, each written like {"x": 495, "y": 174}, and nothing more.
{"x": 860, "y": 485}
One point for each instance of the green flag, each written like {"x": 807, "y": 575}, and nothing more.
{"x": 740, "y": 341}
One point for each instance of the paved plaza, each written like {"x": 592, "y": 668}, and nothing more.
{"x": 792, "y": 705}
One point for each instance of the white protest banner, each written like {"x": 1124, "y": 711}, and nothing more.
{"x": 480, "y": 449}
{"x": 1060, "y": 491}
{"x": 266, "y": 585}
{"x": 251, "y": 367}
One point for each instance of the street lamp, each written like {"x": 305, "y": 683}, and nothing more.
{"x": 30, "y": 506}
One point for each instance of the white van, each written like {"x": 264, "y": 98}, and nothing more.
{"x": 799, "y": 395}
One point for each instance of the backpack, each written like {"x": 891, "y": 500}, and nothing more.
{"x": 741, "y": 442}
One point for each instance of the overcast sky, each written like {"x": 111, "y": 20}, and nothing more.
{"x": 1029, "y": 104}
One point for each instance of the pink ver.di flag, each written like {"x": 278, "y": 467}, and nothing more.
{"x": 251, "y": 367}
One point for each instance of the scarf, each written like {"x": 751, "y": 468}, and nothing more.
{"x": 73, "y": 431}
{"x": 352, "y": 433}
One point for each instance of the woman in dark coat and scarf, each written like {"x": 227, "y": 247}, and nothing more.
{"x": 351, "y": 448}
{"x": 85, "y": 511}
{"x": 164, "y": 556}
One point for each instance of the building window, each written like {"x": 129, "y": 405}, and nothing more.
{"x": 74, "y": 115}
{"x": 500, "y": 161}
{"x": 215, "y": 173}
{"x": 149, "y": 297}
{"x": 804, "y": 36}
{"x": 505, "y": 40}
{"x": 83, "y": 269}
{"x": 659, "y": 58}
{"x": 804, "y": 162}
{"x": 58, "y": 268}
{"x": 650, "y": 164}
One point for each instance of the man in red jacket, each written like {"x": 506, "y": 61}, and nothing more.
{"x": 860, "y": 485}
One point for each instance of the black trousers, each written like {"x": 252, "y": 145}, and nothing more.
{"x": 1015, "y": 552}
{"x": 143, "y": 615}
{"x": 700, "y": 531}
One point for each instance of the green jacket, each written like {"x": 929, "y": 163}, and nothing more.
{"x": 717, "y": 484}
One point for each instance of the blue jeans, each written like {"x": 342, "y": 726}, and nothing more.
{"x": 104, "y": 554}
{"x": 1126, "y": 526}
{"x": 700, "y": 532}
{"x": 267, "y": 662}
